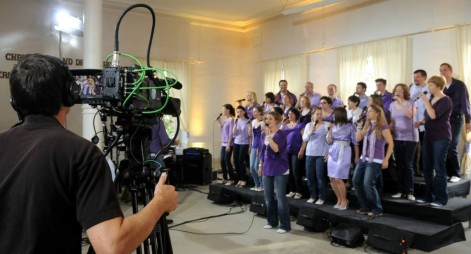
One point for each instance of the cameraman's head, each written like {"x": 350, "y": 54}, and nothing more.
{"x": 41, "y": 84}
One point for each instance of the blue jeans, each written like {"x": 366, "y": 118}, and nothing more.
{"x": 453, "y": 157}
{"x": 226, "y": 164}
{"x": 364, "y": 180}
{"x": 240, "y": 155}
{"x": 254, "y": 168}
{"x": 295, "y": 178}
{"x": 434, "y": 155}
{"x": 404, "y": 154}
{"x": 316, "y": 174}
{"x": 277, "y": 209}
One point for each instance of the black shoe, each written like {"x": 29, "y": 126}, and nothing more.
{"x": 169, "y": 221}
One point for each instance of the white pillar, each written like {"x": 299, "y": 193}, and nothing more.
{"x": 92, "y": 59}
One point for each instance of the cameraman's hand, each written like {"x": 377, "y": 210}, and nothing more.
{"x": 165, "y": 195}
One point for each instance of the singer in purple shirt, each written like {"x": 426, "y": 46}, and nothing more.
{"x": 251, "y": 99}
{"x": 294, "y": 130}
{"x": 436, "y": 141}
{"x": 406, "y": 137}
{"x": 241, "y": 137}
{"x": 273, "y": 167}
{"x": 226, "y": 127}
{"x": 386, "y": 96}
{"x": 336, "y": 101}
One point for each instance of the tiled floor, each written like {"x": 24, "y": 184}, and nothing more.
{"x": 242, "y": 231}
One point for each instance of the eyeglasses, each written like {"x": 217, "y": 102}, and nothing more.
{"x": 323, "y": 102}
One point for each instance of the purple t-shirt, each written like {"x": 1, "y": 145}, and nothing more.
{"x": 226, "y": 130}
{"x": 274, "y": 164}
{"x": 249, "y": 110}
{"x": 256, "y": 134}
{"x": 294, "y": 138}
{"x": 439, "y": 128}
{"x": 403, "y": 126}
{"x": 241, "y": 135}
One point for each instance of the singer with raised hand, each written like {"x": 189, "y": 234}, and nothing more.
{"x": 273, "y": 166}
{"x": 406, "y": 138}
{"x": 436, "y": 141}
{"x": 55, "y": 184}
{"x": 316, "y": 149}
{"x": 419, "y": 87}
{"x": 241, "y": 137}
{"x": 375, "y": 134}
{"x": 341, "y": 133}
{"x": 226, "y": 127}
{"x": 252, "y": 103}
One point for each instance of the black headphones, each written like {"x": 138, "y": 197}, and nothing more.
{"x": 71, "y": 90}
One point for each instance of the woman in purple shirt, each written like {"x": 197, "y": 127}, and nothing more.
{"x": 406, "y": 138}
{"x": 436, "y": 141}
{"x": 273, "y": 167}
{"x": 226, "y": 139}
{"x": 252, "y": 103}
{"x": 241, "y": 135}
{"x": 375, "y": 134}
{"x": 256, "y": 130}
{"x": 294, "y": 131}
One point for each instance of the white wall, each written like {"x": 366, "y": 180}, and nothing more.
{"x": 232, "y": 60}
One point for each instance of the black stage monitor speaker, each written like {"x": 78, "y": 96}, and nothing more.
{"x": 387, "y": 238}
{"x": 258, "y": 205}
{"x": 197, "y": 166}
{"x": 347, "y": 235}
{"x": 219, "y": 194}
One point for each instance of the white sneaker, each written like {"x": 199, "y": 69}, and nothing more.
{"x": 290, "y": 195}
{"x": 254, "y": 188}
{"x": 434, "y": 204}
{"x": 397, "y": 195}
{"x": 298, "y": 196}
{"x": 230, "y": 182}
{"x": 454, "y": 179}
{"x": 320, "y": 202}
{"x": 280, "y": 231}
{"x": 259, "y": 189}
{"x": 268, "y": 226}
{"x": 411, "y": 197}
{"x": 311, "y": 200}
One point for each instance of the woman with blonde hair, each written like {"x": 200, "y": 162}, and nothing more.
{"x": 374, "y": 131}
{"x": 251, "y": 99}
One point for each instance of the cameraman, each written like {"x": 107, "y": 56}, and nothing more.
{"x": 53, "y": 183}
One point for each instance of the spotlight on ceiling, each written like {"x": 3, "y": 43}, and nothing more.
{"x": 67, "y": 23}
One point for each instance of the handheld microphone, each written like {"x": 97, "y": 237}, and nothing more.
{"x": 217, "y": 118}
{"x": 425, "y": 92}
{"x": 363, "y": 114}
{"x": 241, "y": 100}
{"x": 286, "y": 118}
{"x": 266, "y": 124}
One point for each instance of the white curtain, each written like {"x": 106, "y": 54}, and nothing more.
{"x": 292, "y": 69}
{"x": 182, "y": 70}
{"x": 463, "y": 39}
{"x": 389, "y": 59}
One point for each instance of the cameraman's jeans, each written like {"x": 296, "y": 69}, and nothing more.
{"x": 279, "y": 207}
{"x": 258, "y": 181}
{"x": 226, "y": 164}
{"x": 316, "y": 174}
{"x": 364, "y": 180}
{"x": 434, "y": 154}
{"x": 453, "y": 156}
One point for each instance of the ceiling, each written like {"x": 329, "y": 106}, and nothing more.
{"x": 238, "y": 14}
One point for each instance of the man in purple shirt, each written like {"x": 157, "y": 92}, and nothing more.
{"x": 332, "y": 92}
{"x": 385, "y": 95}
{"x": 360, "y": 90}
{"x": 314, "y": 97}
{"x": 458, "y": 93}
{"x": 284, "y": 90}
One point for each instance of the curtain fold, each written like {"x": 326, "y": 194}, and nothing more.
{"x": 292, "y": 69}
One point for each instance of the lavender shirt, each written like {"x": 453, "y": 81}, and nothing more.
{"x": 363, "y": 101}
{"x": 379, "y": 145}
{"x": 274, "y": 164}
{"x": 249, "y": 110}
{"x": 241, "y": 135}
{"x": 403, "y": 126}
{"x": 316, "y": 144}
{"x": 294, "y": 138}
{"x": 314, "y": 98}
{"x": 159, "y": 137}
{"x": 336, "y": 102}
{"x": 226, "y": 130}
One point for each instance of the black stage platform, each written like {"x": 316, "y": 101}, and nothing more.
{"x": 431, "y": 228}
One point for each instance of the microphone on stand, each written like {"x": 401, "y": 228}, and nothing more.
{"x": 425, "y": 92}
{"x": 217, "y": 118}
{"x": 241, "y": 100}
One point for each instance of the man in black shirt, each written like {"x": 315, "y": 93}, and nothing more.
{"x": 458, "y": 93}
{"x": 53, "y": 183}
